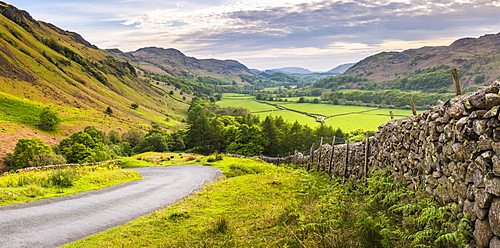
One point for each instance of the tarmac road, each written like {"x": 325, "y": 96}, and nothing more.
{"x": 58, "y": 221}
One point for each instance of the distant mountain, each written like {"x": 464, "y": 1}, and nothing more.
{"x": 255, "y": 71}
{"x": 290, "y": 70}
{"x": 341, "y": 68}
{"x": 173, "y": 62}
{"x": 428, "y": 68}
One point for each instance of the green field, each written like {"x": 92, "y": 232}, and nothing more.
{"x": 290, "y": 116}
{"x": 345, "y": 117}
{"x": 243, "y": 101}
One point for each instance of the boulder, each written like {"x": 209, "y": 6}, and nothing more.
{"x": 495, "y": 242}
{"x": 492, "y": 186}
{"x": 482, "y": 198}
{"x": 482, "y": 233}
{"x": 494, "y": 216}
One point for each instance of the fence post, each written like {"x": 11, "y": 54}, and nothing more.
{"x": 331, "y": 158}
{"x": 319, "y": 157}
{"x": 367, "y": 147}
{"x": 346, "y": 162}
{"x": 311, "y": 158}
{"x": 413, "y": 108}
{"x": 294, "y": 159}
{"x": 392, "y": 115}
{"x": 454, "y": 74}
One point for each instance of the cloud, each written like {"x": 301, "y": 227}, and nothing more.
{"x": 318, "y": 23}
{"x": 316, "y": 32}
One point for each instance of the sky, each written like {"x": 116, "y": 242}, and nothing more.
{"x": 265, "y": 34}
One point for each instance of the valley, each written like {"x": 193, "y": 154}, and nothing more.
{"x": 75, "y": 118}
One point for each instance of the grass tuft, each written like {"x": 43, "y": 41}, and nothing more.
{"x": 31, "y": 186}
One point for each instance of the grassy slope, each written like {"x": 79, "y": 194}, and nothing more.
{"x": 470, "y": 56}
{"x": 30, "y": 81}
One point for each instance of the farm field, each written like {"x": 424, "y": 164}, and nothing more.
{"x": 367, "y": 120}
{"x": 243, "y": 101}
{"x": 290, "y": 116}
{"x": 345, "y": 117}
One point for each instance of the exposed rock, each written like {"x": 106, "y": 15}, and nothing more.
{"x": 492, "y": 100}
{"x": 482, "y": 233}
{"x": 494, "y": 216}
{"x": 492, "y": 186}
{"x": 483, "y": 199}
{"x": 469, "y": 209}
{"x": 495, "y": 242}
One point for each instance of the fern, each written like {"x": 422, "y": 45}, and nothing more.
{"x": 456, "y": 238}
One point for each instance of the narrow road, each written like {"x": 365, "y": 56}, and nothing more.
{"x": 58, "y": 221}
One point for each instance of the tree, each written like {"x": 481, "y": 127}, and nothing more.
{"x": 114, "y": 137}
{"x": 77, "y": 153}
{"x": 77, "y": 147}
{"x": 97, "y": 135}
{"x": 134, "y": 105}
{"x": 26, "y": 149}
{"x": 153, "y": 143}
{"x": 218, "y": 97}
{"x": 89, "y": 145}
{"x": 49, "y": 119}
{"x": 109, "y": 111}
{"x": 249, "y": 141}
{"x": 133, "y": 136}
{"x": 272, "y": 135}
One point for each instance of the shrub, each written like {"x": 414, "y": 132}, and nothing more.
{"x": 63, "y": 178}
{"x": 49, "y": 119}
{"x": 154, "y": 143}
{"x": 34, "y": 191}
{"x": 25, "y": 151}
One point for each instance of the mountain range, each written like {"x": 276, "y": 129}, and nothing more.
{"x": 477, "y": 60}
{"x": 341, "y": 68}
{"x": 173, "y": 62}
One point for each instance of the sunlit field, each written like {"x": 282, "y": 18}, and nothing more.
{"x": 345, "y": 117}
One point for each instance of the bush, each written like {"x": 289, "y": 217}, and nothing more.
{"x": 44, "y": 159}
{"x": 153, "y": 143}
{"x": 63, "y": 178}
{"x": 49, "y": 119}
{"x": 26, "y": 150}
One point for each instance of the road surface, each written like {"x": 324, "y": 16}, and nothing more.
{"x": 58, "y": 221}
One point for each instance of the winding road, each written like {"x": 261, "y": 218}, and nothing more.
{"x": 58, "y": 221}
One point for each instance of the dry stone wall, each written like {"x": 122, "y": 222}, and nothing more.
{"x": 452, "y": 151}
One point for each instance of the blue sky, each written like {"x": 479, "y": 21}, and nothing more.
{"x": 315, "y": 34}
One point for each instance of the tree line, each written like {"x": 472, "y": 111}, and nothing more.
{"x": 246, "y": 134}
{"x": 92, "y": 145}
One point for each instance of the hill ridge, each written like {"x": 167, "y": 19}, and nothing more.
{"x": 477, "y": 59}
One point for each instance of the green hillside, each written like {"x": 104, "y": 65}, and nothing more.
{"x": 428, "y": 68}
{"x": 44, "y": 66}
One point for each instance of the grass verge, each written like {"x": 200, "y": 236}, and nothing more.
{"x": 32, "y": 186}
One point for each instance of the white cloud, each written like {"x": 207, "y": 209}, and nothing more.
{"x": 295, "y": 31}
